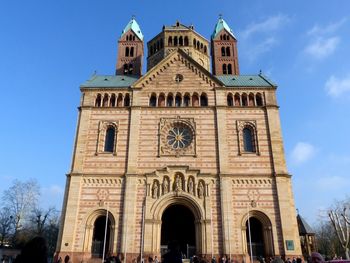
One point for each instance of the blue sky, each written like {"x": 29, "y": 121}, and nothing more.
{"x": 48, "y": 48}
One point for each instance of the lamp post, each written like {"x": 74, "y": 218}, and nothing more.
{"x": 253, "y": 204}
{"x": 105, "y": 236}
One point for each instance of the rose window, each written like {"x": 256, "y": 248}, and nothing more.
{"x": 179, "y": 137}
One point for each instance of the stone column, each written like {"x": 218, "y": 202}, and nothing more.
{"x": 285, "y": 200}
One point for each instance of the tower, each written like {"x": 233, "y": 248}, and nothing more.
{"x": 178, "y": 154}
{"x": 178, "y": 36}
{"x": 130, "y": 50}
{"x": 224, "y": 50}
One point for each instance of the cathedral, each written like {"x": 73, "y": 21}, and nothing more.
{"x": 190, "y": 152}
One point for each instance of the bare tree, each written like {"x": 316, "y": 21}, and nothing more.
{"x": 20, "y": 199}
{"x": 40, "y": 218}
{"x": 6, "y": 225}
{"x": 341, "y": 223}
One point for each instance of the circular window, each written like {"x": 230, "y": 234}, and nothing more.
{"x": 179, "y": 78}
{"x": 179, "y": 136}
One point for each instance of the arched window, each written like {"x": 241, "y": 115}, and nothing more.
{"x": 181, "y": 41}
{"x": 248, "y": 139}
{"x": 224, "y": 69}
{"x": 195, "y": 100}
{"x": 120, "y": 100}
{"x": 170, "y": 100}
{"x": 228, "y": 53}
{"x": 155, "y": 47}
{"x": 133, "y": 38}
{"x": 175, "y": 41}
{"x": 229, "y": 69}
{"x": 153, "y": 100}
{"x": 205, "y": 49}
{"x": 127, "y": 100}
{"x": 161, "y": 43}
{"x": 127, "y": 52}
{"x": 237, "y": 100}
{"x": 178, "y": 100}
{"x": 151, "y": 50}
{"x": 194, "y": 43}
{"x": 161, "y": 100}
{"x": 244, "y": 100}
{"x": 112, "y": 101}
{"x": 198, "y": 44}
{"x": 158, "y": 45}
{"x": 110, "y": 139}
{"x": 125, "y": 69}
{"x": 224, "y": 37}
{"x": 229, "y": 100}
{"x": 251, "y": 99}
{"x": 221, "y": 37}
{"x": 187, "y": 100}
{"x": 227, "y": 37}
{"x": 186, "y": 41}
{"x": 259, "y": 100}
{"x": 204, "y": 100}
{"x": 98, "y": 101}
{"x": 131, "y": 51}
{"x": 105, "y": 100}
{"x": 127, "y": 38}
{"x": 223, "y": 52}
{"x": 170, "y": 41}
{"x": 201, "y": 46}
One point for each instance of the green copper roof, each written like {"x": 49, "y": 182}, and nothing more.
{"x": 246, "y": 81}
{"x": 134, "y": 26}
{"x": 220, "y": 25}
{"x": 109, "y": 81}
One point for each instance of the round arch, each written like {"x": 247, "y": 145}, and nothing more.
{"x": 154, "y": 220}
{"x": 89, "y": 229}
{"x": 267, "y": 234}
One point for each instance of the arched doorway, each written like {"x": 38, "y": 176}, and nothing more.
{"x": 257, "y": 238}
{"x": 98, "y": 237}
{"x": 178, "y": 225}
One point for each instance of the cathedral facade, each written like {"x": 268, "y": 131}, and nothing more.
{"x": 183, "y": 153}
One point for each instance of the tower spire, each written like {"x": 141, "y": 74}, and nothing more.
{"x": 224, "y": 49}
{"x": 130, "y": 50}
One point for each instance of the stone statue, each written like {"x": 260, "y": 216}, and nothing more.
{"x": 166, "y": 186}
{"x": 155, "y": 190}
{"x": 190, "y": 186}
{"x": 200, "y": 190}
{"x": 178, "y": 183}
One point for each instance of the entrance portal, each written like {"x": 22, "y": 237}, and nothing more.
{"x": 257, "y": 238}
{"x": 178, "y": 226}
{"x": 99, "y": 237}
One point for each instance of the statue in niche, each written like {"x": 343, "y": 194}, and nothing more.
{"x": 190, "y": 186}
{"x": 165, "y": 186}
{"x": 200, "y": 190}
{"x": 155, "y": 190}
{"x": 177, "y": 183}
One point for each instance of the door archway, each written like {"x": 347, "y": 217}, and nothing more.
{"x": 261, "y": 235}
{"x": 178, "y": 227}
{"x": 98, "y": 237}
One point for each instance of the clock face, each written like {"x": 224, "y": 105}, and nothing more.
{"x": 179, "y": 137}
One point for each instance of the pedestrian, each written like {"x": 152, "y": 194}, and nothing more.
{"x": 213, "y": 260}
{"x": 156, "y": 259}
{"x": 174, "y": 254}
{"x": 316, "y": 258}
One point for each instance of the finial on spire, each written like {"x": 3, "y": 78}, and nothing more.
{"x": 220, "y": 16}
{"x": 133, "y": 17}
{"x": 260, "y": 72}
{"x": 297, "y": 211}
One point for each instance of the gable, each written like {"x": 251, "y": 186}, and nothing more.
{"x": 177, "y": 63}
